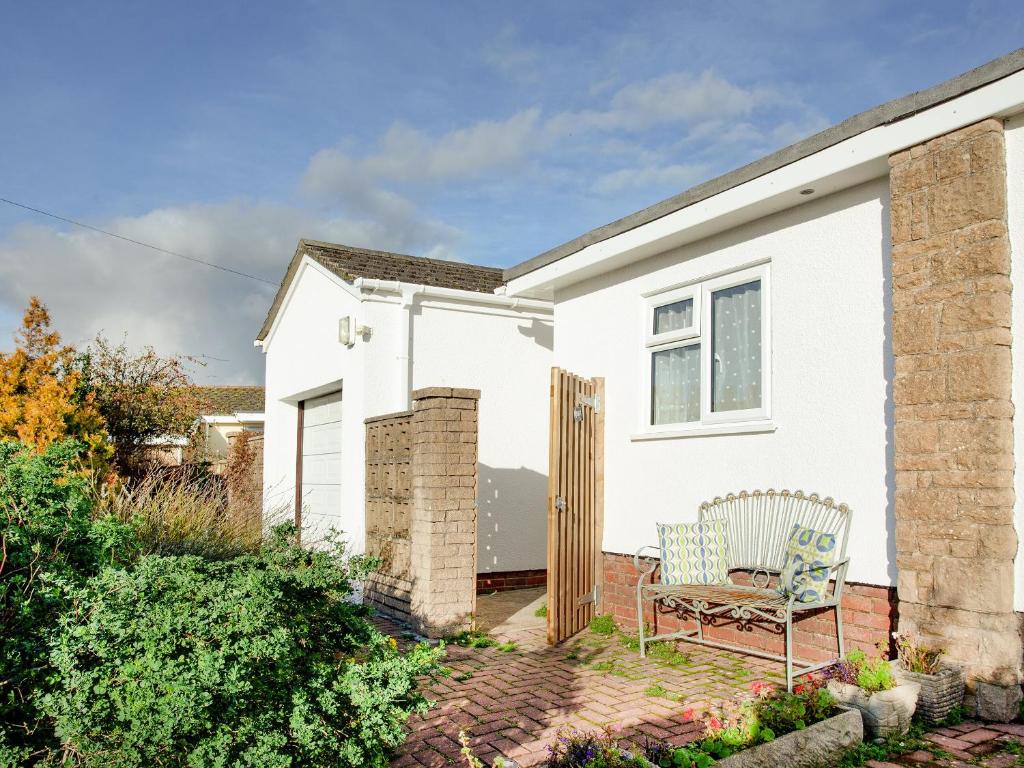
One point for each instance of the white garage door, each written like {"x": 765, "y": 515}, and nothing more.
{"x": 321, "y": 466}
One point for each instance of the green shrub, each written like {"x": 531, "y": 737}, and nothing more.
{"x": 251, "y": 661}
{"x": 49, "y": 542}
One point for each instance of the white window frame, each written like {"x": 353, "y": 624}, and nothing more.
{"x": 700, "y": 333}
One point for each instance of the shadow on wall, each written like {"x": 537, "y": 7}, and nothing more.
{"x": 511, "y": 519}
{"x": 541, "y": 331}
{"x": 889, "y": 372}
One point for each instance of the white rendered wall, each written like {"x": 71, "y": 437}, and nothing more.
{"x": 1014, "y": 129}
{"x": 831, "y": 375}
{"x": 507, "y": 356}
{"x": 303, "y": 359}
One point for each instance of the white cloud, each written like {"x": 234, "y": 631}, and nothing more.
{"x": 506, "y": 54}
{"x": 94, "y": 283}
{"x": 675, "y": 177}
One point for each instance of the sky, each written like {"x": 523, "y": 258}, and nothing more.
{"x": 473, "y": 131}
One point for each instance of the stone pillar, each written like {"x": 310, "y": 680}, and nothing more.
{"x": 443, "y": 524}
{"x": 955, "y": 537}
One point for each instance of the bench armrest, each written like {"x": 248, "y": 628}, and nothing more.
{"x": 839, "y": 569}
{"x": 644, "y": 573}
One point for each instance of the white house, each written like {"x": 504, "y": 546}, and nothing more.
{"x": 351, "y": 333}
{"x": 836, "y": 317}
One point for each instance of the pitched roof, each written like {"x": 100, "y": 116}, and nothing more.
{"x": 883, "y": 114}
{"x": 348, "y": 263}
{"x": 219, "y": 401}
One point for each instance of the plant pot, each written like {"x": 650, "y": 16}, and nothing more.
{"x": 941, "y": 693}
{"x": 817, "y": 745}
{"x": 885, "y": 713}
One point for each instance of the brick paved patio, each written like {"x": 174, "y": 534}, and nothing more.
{"x": 971, "y": 744}
{"x": 512, "y": 703}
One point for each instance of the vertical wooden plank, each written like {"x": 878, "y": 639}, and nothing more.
{"x": 554, "y": 446}
{"x": 564, "y": 477}
{"x": 598, "y": 519}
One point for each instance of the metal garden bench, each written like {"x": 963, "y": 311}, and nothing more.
{"x": 758, "y": 526}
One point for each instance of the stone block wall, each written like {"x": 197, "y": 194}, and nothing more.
{"x": 421, "y": 510}
{"x": 955, "y": 538}
{"x": 869, "y": 615}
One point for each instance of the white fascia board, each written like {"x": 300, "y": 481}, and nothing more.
{"x": 393, "y": 291}
{"x": 846, "y": 164}
{"x": 235, "y": 418}
{"x": 306, "y": 263}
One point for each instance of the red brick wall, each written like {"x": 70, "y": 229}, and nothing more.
{"x": 503, "y": 581}
{"x": 869, "y": 617}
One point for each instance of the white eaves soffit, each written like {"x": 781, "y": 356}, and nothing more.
{"x": 852, "y": 161}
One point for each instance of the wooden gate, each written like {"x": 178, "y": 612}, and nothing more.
{"x": 575, "y": 502}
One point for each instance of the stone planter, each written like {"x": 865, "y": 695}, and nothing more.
{"x": 941, "y": 693}
{"x": 885, "y": 713}
{"x": 818, "y": 745}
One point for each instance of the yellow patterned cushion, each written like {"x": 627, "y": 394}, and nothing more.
{"x": 805, "y": 571}
{"x": 693, "y": 553}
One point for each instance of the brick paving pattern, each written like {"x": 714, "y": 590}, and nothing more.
{"x": 513, "y": 703}
{"x": 996, "y": 745}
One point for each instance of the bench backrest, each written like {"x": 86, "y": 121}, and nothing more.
{"x": 759, "y": 523}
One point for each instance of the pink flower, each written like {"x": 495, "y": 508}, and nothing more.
{"x": 688, "y": 714}
{"x": 761, "y": 688}
{"x": 714, "y": 723}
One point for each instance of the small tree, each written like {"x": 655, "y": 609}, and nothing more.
{"x": 44, "y": 392}
{"x": 142, "y": 397}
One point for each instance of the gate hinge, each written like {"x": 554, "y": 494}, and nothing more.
{"x": 560, "y": 503}
{"x": 594, "y": 402}
{"x": 590, "y": 597}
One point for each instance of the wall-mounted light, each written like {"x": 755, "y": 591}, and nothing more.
{"x": 349, "y": 330}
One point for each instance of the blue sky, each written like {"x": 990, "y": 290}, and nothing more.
{"x": 484, "y": 132}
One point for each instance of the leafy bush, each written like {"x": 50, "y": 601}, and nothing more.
{"x": 872, "y": 673}
{"x": 48, "y": 541}
{"x": 739, "y": 725}
{"x": 253, "y": 661}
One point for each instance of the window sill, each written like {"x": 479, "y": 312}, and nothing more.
{"x": 749, "y": 428}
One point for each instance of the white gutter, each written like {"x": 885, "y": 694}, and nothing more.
{"x": 499, "y": 299}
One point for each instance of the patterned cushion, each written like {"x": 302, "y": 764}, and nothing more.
{"x": 693, "y": 553}
{"x": 805, "y": 571}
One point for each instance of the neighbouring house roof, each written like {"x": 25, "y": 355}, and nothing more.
{"x": 348, "y": 263}
{"x": 889, "y": 112}
{"x": 219, "y": 401}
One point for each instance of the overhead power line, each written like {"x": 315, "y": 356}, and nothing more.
{"x": 205, "y": 263}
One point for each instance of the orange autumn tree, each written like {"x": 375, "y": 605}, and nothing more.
{"x": 44, "y": 395}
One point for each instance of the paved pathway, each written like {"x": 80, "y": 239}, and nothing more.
{"x": 512, "y": 703}
{"x": 971, "y": 744}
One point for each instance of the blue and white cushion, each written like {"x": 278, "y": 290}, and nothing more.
{"x": 805, "y": 571}
{"x": 693, "y": 553}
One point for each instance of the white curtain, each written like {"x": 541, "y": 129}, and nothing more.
{"x": 675, "y": 385}
{"x": 673, "y": 317}
{"x": 736, "y": 348}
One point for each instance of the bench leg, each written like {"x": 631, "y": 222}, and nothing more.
{"x": 789, "y": 651}
{"x": 839, "y": 631}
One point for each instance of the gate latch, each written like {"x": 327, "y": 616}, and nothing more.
{"x": 590, "y": 597}
{"x": 560, "y": 503}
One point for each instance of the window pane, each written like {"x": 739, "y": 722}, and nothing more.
{"x": 673, "y": 317}
{"x": 675, "y": 385}
{"x": 736, "y": 347}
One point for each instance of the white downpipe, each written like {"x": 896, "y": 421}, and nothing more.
{"x": 409, "y": 293}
